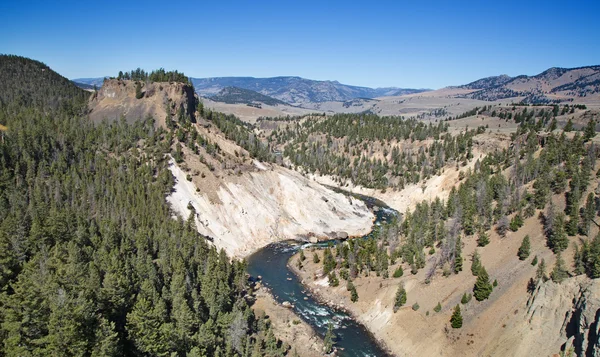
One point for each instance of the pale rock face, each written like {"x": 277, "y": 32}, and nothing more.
{"x": 266, "y": 206}
{"x": 558, "y": 316}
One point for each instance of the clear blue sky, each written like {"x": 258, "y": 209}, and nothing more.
{"x": 387, "y": 43}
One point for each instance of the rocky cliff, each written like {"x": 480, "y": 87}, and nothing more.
{"x": 267, "y": 205}
{"x": 160, "y": 100}
{"x": 559, "y": 317}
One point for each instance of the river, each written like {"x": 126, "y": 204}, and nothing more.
{"x": 352, "y": 339}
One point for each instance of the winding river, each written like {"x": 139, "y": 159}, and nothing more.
{"x": 352, "y": 339}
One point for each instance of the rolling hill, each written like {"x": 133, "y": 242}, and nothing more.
{"x": 235, "y": 95}
{"x": 551, "y": 86}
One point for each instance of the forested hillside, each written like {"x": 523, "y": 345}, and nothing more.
{"x": 368, "y": 150}
{"x": 91, "y": 261}
{"x": 489, "y": 199}
{"x": 31, "y": 83}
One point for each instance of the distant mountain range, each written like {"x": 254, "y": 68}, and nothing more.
{"x": 553, "y": 85}
{"x": 85, "y": 85}
{"x": 296, "y": 90}
{"x": 292, "y": 90}
{"x": 98, "y": 81}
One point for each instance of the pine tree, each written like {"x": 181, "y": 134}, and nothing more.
{"x": 524, "y": 248}
{"x": 589, "y": 212}
{"x": 398, "y": 272}
{"x": 458, "y": 257}
{"x": 534, "y": 261}
{"x": 540, "y": 274}
{"x": 438, "y": 307}
{"x": 483, "y": 239}
{"x": 466, "y": 298}
{"x": 569, "y": 126}
{"x": 483, "y": 288}
{"x": 516, "y": 222}
{"x": 329, "y": 262}
{"x": 590, "y": 130}
{"x": 352, "y": 289}
{"x": 557, "y": 239}
{"x": 316, "y": 259}
{"x": 475, "y": 263}
{"x": 329, "y": 339}
{"x": 333, "y": 279}
{"x": 559, "y": 273}
{"x": 400, "y": 299}
{"x": 579, "y": 259}
{"x": 456, "y": 321}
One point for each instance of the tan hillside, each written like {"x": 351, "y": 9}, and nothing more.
{"x": 510, "y": 323}
{"x": 553, "y": 85}
{"x": 251, "y": 113}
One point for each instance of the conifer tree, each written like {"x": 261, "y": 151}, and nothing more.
{"x": 456, "y": 321}
{"x": 569, "y": 126}
{"x": 333, "y": 279}
{"x": 483, "y": 239}
{"x": 400, "y": 299}
{"x": 329, "y": 339}
{"x": 557, "y": 239}
{"x": 328, "y": 261}
{"x": 524, "y": 248}
{"x": 466, "y": 298}
{"x": 352, "y": 289}
{"x": 559, "y": 272}
{"x": 458, "y": 260}
{"x": 590, "y": 130}
{"x": 540, "y": 274}
{"x": 398, "y": 272}
{"x": 483, "y": 288}
{"x": 475, "y": 263}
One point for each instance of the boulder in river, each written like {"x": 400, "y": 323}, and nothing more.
{"x": 342, "y": 235}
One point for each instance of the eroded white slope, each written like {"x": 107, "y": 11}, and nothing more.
{"x": 268, "y": 205}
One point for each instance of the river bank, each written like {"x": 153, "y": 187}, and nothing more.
{"x": 329, "y": 299}
{"x": 270, "y": 263}
{"x": 287, "y": 326}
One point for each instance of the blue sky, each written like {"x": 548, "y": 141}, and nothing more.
{"x": 378, "y": 43}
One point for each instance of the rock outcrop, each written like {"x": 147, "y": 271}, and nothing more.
{"x": 161, "y": 100}
{"x": 559, "y": 317}
{"x": 575, "y": 303}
